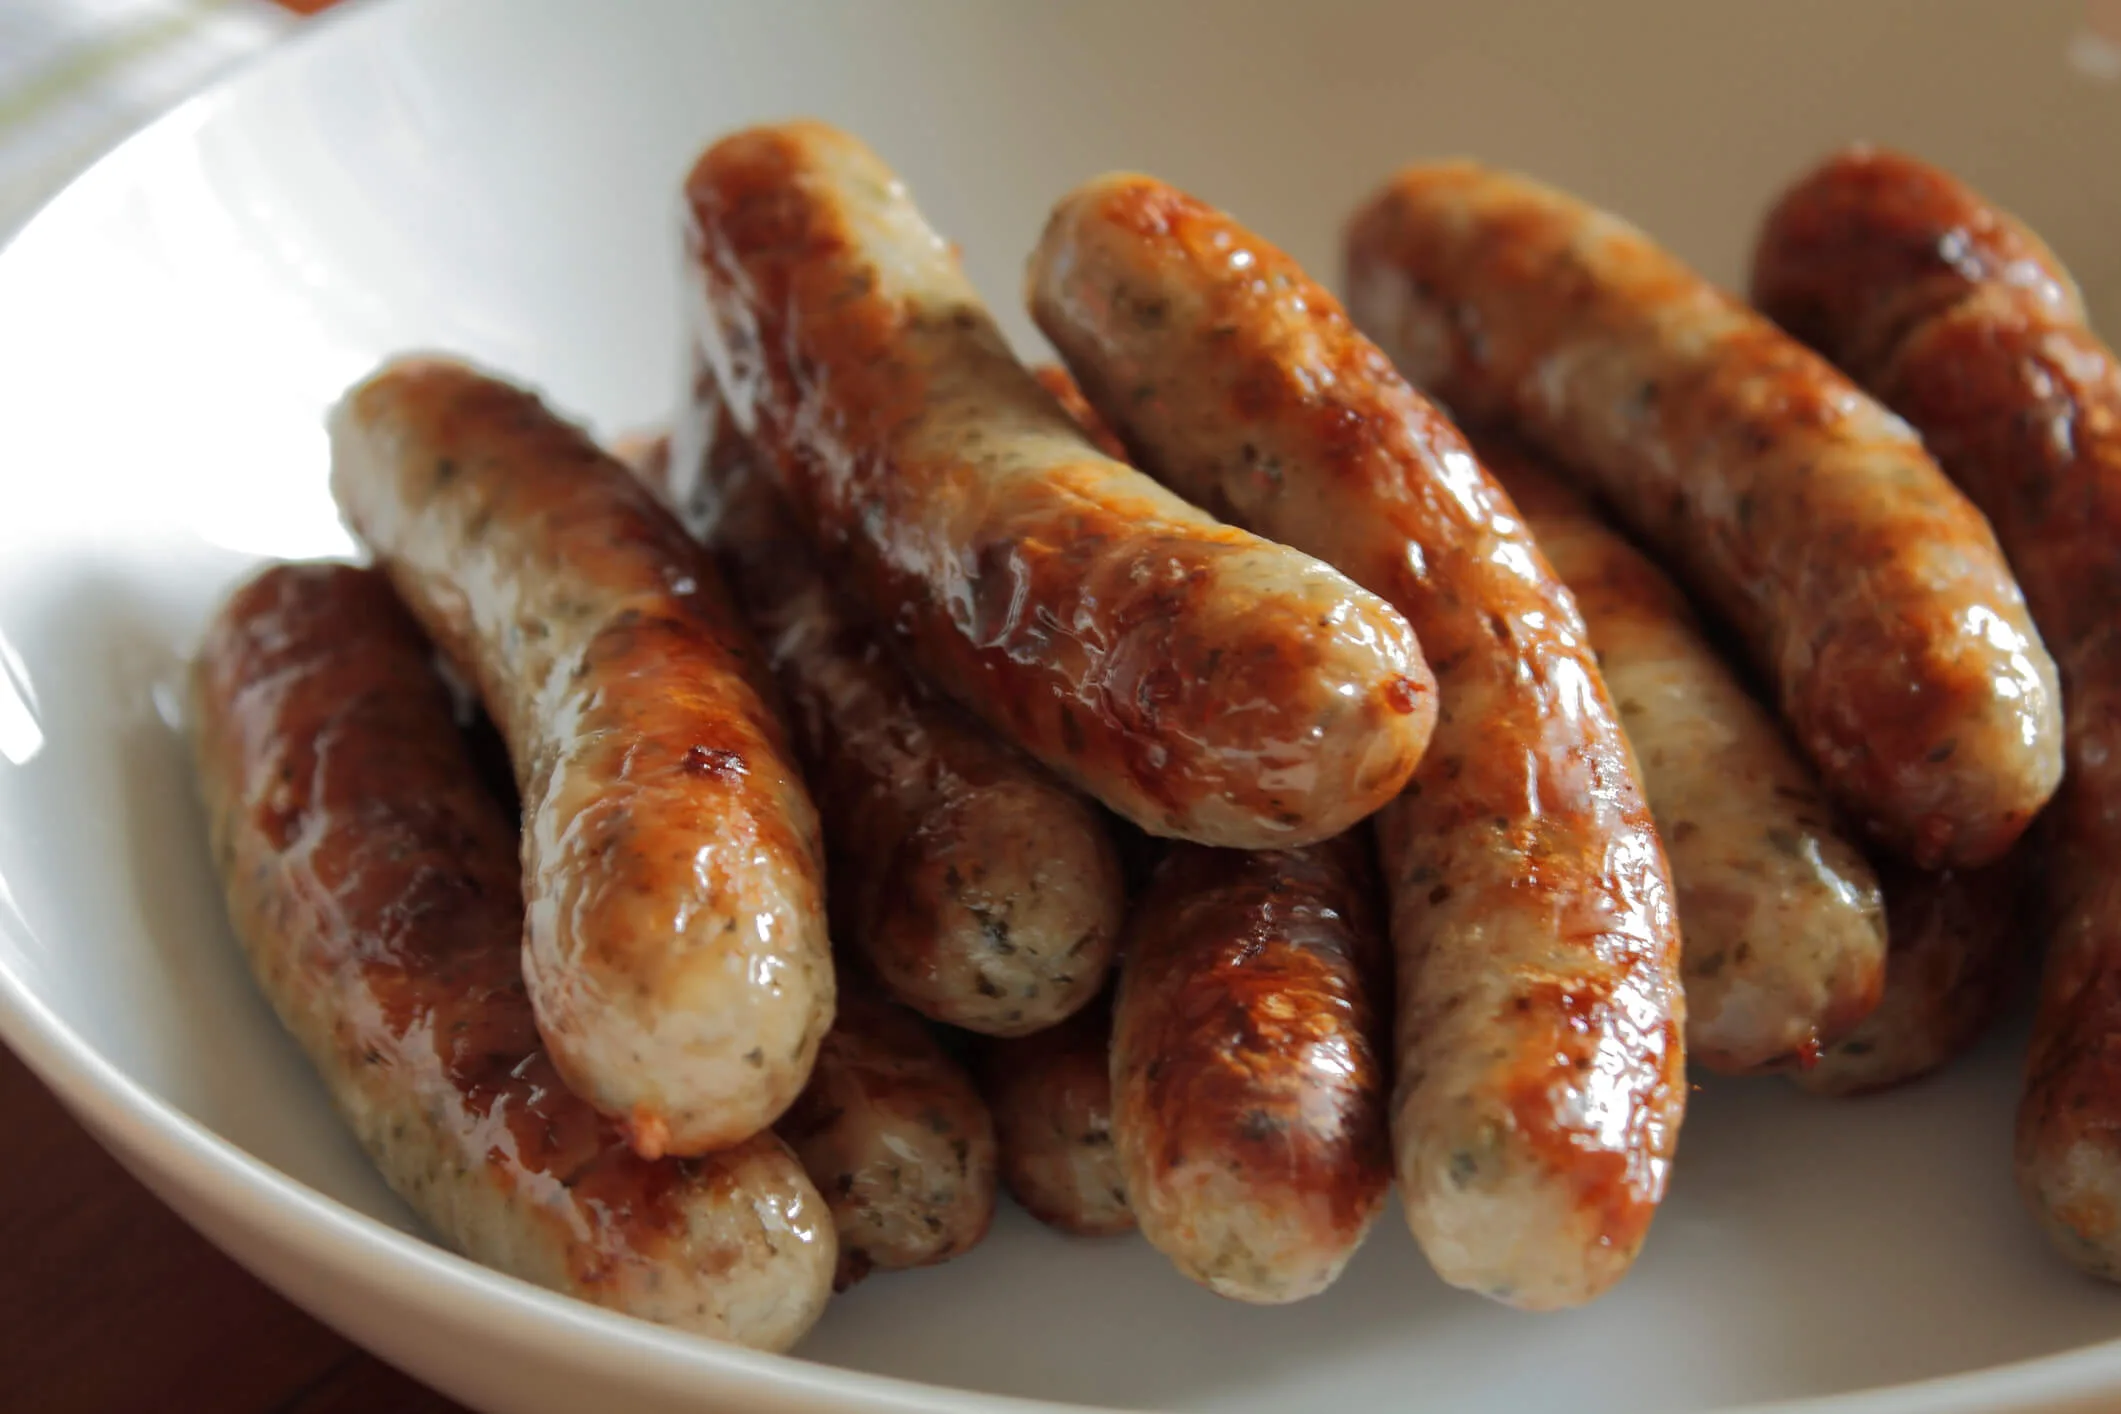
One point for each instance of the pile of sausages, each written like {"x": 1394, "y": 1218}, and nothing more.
{"x": 1195, "y": 792}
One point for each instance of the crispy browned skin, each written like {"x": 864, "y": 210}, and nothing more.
{"x": 1051, "y": 1097}
{"x": 1961, "y": 320}
{"x": 1541, "y": 1075}
{"x": 373, "y": 882}
{"x": 1783, "y": 931}
{"x": 1201, "y": 681}
{"x": 894, "y": 1134}
{"x": 1870, "y": 592}
{"x": 1956, "y": 945}
{"x": 982, "y": 892}
{"x": 1248, "y": 1083}
{"x": 675, "y": 943}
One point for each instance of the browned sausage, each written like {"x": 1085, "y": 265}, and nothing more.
{"x": 1051, "y": 1097}
{"x": 1782, "y": 928}
{"x": 1961, "y": 320}
{"x": 1248, "y": 1089}
{"x": 1057, "y": 381}
{"x": 373, "y": 883}
{"x": 675, "y": 943}
{"x": 1870, "y": 592}
{"x": 981, "y": 891}
{"x": 1956, "y": 941}
{"x": 1203, "y": 682}
{"x": 1870, "y": 245}
{"x": 1541, "y": 1075}
{"x": 890, "y": 1128}
{"x": 892, "y": 1132}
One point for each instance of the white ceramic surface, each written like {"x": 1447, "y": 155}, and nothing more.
{"x": 498, "y": 176}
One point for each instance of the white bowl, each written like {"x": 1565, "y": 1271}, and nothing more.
{"x": 499, "y": 177}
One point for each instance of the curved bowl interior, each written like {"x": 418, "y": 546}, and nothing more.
{"x": 498, "y": 177}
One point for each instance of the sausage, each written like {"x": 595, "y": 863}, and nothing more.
{"x": 1955, "y": 945}
{"x": 1961, "y": 320}
{"x": 1200, "y": 681}
{"x": 1248, "y": 1088}
{"x": 2068, "y": 1150}
{"x": 1870, "y": 245}
{"x": 1870, "y": 593}
{"x": 1051, "y": 1097}
{"x": 675, "y": 943}
{"x": 372, "y": 881}
{"x": 1057, "y": 381}
{"x": 980, "y": 891}
{"x": 1783, "y": 937}
{"x": 1541, "y": 1072}
{"x": 892, "y": 1132}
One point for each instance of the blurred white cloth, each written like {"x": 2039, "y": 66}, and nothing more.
{"x": 76, "y": 76}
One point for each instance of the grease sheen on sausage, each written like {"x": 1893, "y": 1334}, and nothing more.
{"x": 982, "y": 892}
{"x": 675, "y": 943}
{"x": 373, "y": 883}
{"x": 894, "y": 1134}
{"x": 1966, "y": 324}
{"x": 1783, "y": 935}
{"x": 1051, "y": 1097}
{"x": 1198, "y": 680}
{"x": 1870, "y": 592}
{"x": 1248, "y": 1087}
{"x": 1541, "y": 1073}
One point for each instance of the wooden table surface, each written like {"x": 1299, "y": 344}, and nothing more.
{"x": 109, "y": 1304}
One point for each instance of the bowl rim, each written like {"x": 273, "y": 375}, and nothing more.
{"x": 121, "y": 1113}
{"x": 335, "y": 1236}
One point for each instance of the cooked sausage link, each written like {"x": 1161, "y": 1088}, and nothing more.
{"x": 1051, "y": 1097}
{"x": 1964, "y": 323}
{"x": 982, "y": 892}
{"x": 1541, "y": 1075}
{"x": 1870, "y": 592}
{"x": 1782, "y": 928}
{"x": 373, "y": 883}
{"x": 893, "y": 1133}
{"x": 1248, "y": 1083}
{"x": 1956, "y": 945}
{"x": 1057, "y": 381}
{"x": 1872, "y": 244}
{"x": 675, "y": 942}
{"x": 2069, "y": 1118}
{"x": 1203, "y": 682}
